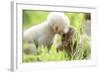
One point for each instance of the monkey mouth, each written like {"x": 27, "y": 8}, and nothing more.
{"x": 65, "y": 44}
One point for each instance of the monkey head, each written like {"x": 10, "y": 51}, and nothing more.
{"x": 58, "y": 21}
{"x": 67, "y": 37}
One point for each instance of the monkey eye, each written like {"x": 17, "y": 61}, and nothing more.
{"x": 63, "y": 35}
{"x": 53, "y": 24}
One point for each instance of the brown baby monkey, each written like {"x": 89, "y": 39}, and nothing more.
{"x": 67, "y": 41}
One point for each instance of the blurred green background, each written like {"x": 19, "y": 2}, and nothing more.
{"x": 31, "y": 18}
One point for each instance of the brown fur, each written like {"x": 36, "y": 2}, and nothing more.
{"x": 67, "y": 41}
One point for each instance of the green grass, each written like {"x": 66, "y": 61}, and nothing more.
{"x": 83, "y": 49}
{"x": 51, "y": 54}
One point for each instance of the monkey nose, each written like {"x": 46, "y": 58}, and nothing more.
{"x": 56, "y": 28}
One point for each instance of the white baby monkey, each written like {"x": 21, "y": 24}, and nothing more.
{"x": 43, "y": 34}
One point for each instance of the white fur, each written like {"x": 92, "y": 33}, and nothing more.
{"x": 57, "y": 42}
{"x": 43, "y": 33}
{"x": 58, "y": 18}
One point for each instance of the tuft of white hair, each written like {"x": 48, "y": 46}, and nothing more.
{"x": 58, "y": 17}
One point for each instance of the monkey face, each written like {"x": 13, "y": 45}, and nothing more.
{"x": 58, "y": 21}
{"x": 65, "y": 40}
{"x": 66, "y": 37}
{"x": 57, "y": 28}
